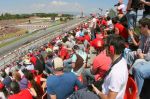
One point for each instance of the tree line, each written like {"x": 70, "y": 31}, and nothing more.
{"x": 6, "y": 16}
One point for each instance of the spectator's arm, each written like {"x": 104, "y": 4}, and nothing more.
{"x": 133, "y": 39}
{"x": 43, "y": 79}
{"x": 52, "y": 96}
{"x": 73, "y": 65}
{"x": 33, "y": 92}
{"x": 44, "y": 86}
{"x": 129, "y": 5}
{"x": 111, "y": 94}
{"x": 51, "y": 92}
{"x": 74, "y": 59}
{"x": 145, "y": 2}
{"x": 116, "y": 31}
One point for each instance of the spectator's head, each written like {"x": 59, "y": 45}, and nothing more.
{"x": 52, "y": 43}
{"x": 50, "y": 55}
{"x": 115, "y": 20}
{"x": 108, "y": 18}
{"x": 26, "y": 62}
{"x": 14, "y": 86}
{"x": 60, "y": 45}
{"x": 81, "y": 29}
{"x": 120, "y": 1}
{"x": 58, "y": 64}
{"x": 144, "y": 25}
{"x": 16, "y": 76}
{"x": 29, "y": 76}
{"x": 3, "y": 74}
{"x": 86, "y": 33}
{"x": 65, "y": 39}
{"x": 116, "y": 45}
{"x": 75, "y": 48}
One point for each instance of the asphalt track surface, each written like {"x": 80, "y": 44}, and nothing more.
{"x": 6, "y": 49}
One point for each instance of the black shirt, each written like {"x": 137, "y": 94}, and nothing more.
{"x": 147, "y": 8}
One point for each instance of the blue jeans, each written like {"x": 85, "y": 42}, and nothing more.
{"x": 130, "y": 56}
{"x": 131, "y": 19}
{"x": 141, "y": 71}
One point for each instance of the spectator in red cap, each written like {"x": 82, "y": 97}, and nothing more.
{"x": 99, "y": 67}
{"x": 63, "y": 52}
{"x": 86, "y": 36}
{"x": 97, "y": 43}
{"x": 120, "y": 29}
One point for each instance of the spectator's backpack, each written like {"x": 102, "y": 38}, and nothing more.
{"x": 79, "y": 62}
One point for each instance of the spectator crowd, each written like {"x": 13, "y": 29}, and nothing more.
{"x": 64, "y": 68}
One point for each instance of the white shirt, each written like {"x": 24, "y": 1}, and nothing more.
{"x": 2, "y": 96}
{"x": 30, "y": 67}
{"x": 93, "y": 23}
{"x": 123, "y": 7}
{"x": 110, "y": 24}
{"x": 117, "y": 79}
{"x": 78, "y": 34}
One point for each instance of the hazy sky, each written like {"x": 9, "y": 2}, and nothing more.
{"x": 32, "y": 6}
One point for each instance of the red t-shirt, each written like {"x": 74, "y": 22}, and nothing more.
{"x": 101, "y": 64}
{"x": 87, "y": 37}
{"x": 104, "y": 22}
{"x": 64, "y": 53}
{"x": 29, "y": 85}
{"x": 98, "y": 22}
{"x": 122, "y": 30}
{"x": 38, "y": 79}
{"x": 33, "y": 60}
{"x": 23, "y": 94}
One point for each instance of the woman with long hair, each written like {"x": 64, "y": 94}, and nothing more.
{"x": 35, "y": 89}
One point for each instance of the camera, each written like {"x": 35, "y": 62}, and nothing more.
{"x": 90, "y": 88}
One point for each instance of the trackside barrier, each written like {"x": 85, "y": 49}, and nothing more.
{"x": 10, "y": 58}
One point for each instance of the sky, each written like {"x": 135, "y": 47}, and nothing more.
{"x": 50, "y": 6}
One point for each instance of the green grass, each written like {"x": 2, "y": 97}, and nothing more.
{"x": 7, "y": 43}
{"x": 10, "y": 35}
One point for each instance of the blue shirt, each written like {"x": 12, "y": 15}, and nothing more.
{"x": 63, "y": 85}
